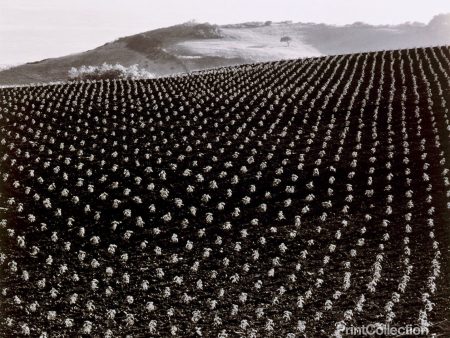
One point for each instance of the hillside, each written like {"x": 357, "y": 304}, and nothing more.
{"x": 191, "y": 46}
{"x": 296, "y": 198}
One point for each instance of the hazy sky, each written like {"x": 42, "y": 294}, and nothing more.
{"x": 32, "y": 30}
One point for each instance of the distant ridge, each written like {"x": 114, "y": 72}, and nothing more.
{"x": 195, "y": 46}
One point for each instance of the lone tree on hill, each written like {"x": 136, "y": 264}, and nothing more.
{"x": 286, "y": 39}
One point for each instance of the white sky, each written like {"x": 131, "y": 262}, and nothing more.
{"x": 32, "y": 30}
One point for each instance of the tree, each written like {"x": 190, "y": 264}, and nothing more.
{"x": 286, "y": 39}
{"x": 107, "y": 71}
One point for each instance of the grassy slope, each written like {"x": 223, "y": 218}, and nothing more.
{"x": 168, "y": 50}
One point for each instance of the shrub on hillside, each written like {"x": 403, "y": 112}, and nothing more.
{"x": 107, "y": 71}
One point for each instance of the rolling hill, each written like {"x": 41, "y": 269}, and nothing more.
{"x": 192, "y": 46}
